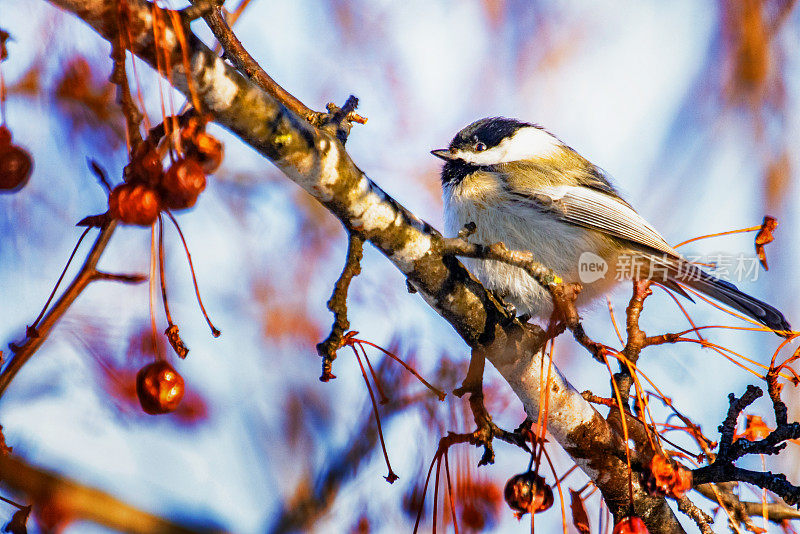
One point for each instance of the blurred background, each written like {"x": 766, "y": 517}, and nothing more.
{"x": 691, "y": 106}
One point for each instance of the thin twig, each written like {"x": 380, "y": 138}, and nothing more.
{"x": 338, "y": 305}
{"x": 723, "y": 469}
{"x": 119, "y": 77}
{"x": 23, "y": 351}
{"x": 241, "y": 58}
{"x": 701, "y": 519}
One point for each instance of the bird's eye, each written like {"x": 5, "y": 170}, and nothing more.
{"x": 480, "y": 147}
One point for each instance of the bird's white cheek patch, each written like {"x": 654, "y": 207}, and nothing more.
{"x": 528, "y": 143}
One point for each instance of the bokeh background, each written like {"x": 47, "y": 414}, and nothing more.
{"x": 692, "y": 106}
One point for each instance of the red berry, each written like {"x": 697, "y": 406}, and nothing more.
{"x": 159, "y": 387}
{"x": 209, "y": 151}
{"x": 631, "y": 525}
{"x": 145, "y": 166}
{"x": 203, "y": 147}
{"x": 183, "y": 183}
{"x": 134, "y": 204}
{"x": 528, "y": 492}
{"x": 15, "y": 168}
{"x": 666, "y": 479}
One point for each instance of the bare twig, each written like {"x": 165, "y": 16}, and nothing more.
{"x": 136, "y": 278}
{"x": 200, "y": 8}
{"x": 457, "y": 246}
{"x": 723, "y": 469}
{"x": 725, "y": 494}
{"x": 564, "y": 294}
{"x": 236, "y": 52}
{"x": 119, "y": 77}
{"x": 338, "y": 305}
{"x": 23, "y": 351}
{"x": 701, "y": 519}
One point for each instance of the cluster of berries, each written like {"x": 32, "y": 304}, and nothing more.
{"x": 15, "y": 163}
{"x": 148, "y": 188}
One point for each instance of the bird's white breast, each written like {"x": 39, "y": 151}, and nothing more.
{"x": 555, "y": 244}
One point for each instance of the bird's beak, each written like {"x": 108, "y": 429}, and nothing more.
{"x": 444, "y": 154}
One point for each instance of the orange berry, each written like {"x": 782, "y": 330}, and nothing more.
{"x": 631, "y": 525}
{"x": 182, "y": 183}
{"x": 666, "y": 479}
{"x": 135, "y": 204}
{"x": 528, "y": 492}
{"x": 15, "y": 168}
{"x": 209, "y": 151}
{"x": 159, "y": 387}
{"x": 145, "y": 166}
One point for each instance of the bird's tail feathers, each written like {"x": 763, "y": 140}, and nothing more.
{"x": 682, "y": 272}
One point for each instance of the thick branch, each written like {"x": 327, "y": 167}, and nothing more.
{"x": 59, "y": 498}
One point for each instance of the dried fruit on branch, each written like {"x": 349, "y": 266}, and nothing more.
{"x": 134, "y": 204}
{"x": 15, "y": 163}
{"x": 201, "y": 146}
{"x": 667, "y": 479}
{"x": 631, "y": 525}
{"x": 580, "y": 519}
{"x": 765, "y": 236}
{"x": 145, "y": 166}
{"x": 4, "y": 36}
{"x": 159, "y": 387}
{"x": 15, "y": 168}
{"x": 528, "y": 492}
{"x": 182, "y": 184}
{"x": 208, "y": 150}
{"x": 755, "y": 428}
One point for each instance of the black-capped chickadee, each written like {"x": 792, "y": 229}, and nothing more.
{"x": 521, "y": 185}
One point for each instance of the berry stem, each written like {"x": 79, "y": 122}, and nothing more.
{"x": 161, "y": 270}
{"x": 60, "y": 278}
{"x": 214, "y": 331}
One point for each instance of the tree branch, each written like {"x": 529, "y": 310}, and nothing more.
{"x": 338, "y": 305}
{"x": 59, "y": 499}
{"x": 22, "y": 352}
{"x": 316, "y": 160}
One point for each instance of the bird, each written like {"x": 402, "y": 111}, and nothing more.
{"x": 519, "y": 184}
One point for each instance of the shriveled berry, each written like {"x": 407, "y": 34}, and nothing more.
{"x": 666, "y": 479}
{"x": 631, "y": 525}
{"x": 203, "y": 147}
{"x": 208, "y": 150}
{"x": 182, "y": 184}
{"x": 145, "y": 166}
{"x": 134, "y": 204}
{"x": 528, "y": 492}
{"x": 15, "y": 168}
{"x": 159, "y": 387}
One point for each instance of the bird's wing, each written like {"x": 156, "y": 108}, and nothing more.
{"x": 596, "y": 210}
